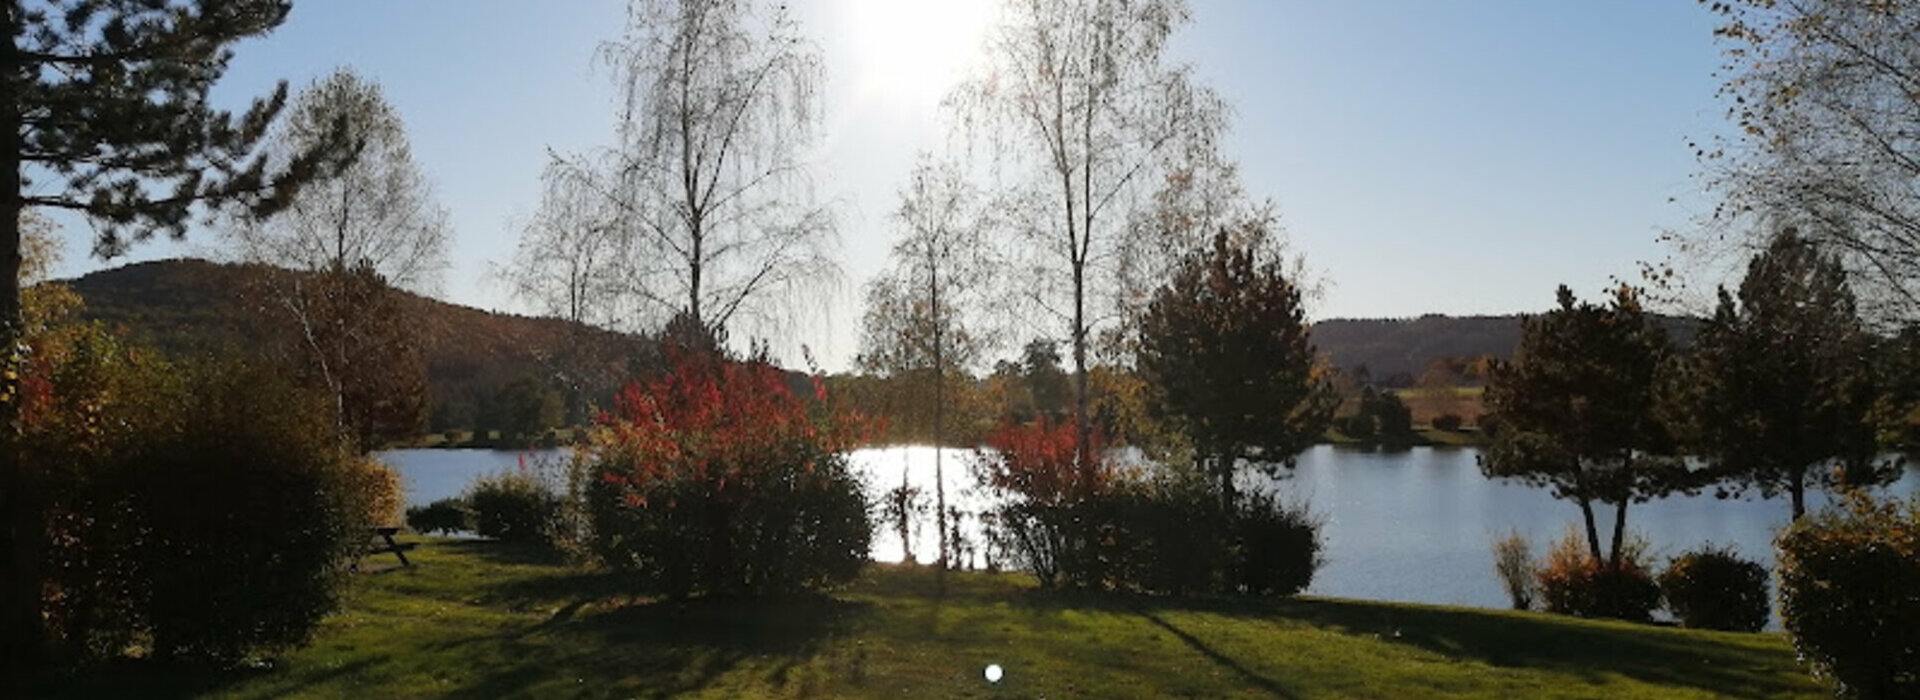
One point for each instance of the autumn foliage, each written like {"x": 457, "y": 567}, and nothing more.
{"x": 1039, "y": 462}
{"x": 715, "y": 479}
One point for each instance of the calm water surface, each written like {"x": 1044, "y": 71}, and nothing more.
{"x": 1412, "y": 526}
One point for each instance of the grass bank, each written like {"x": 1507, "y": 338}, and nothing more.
{"x": 484, "y": 620}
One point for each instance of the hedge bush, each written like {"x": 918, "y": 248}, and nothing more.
{"x": 716, "y": 480}
{"x": 514, "y": 505}
{"x": 1573, "y": 583}
{"x": 1163, "y": 533}
{"x": 445, "y": 516}
{"x": 1850, "y": 595}
{"x": 201, "y": 514}
{"x": 1714, "y": 588}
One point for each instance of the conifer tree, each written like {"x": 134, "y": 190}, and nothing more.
{"x": 1225, "y": 346}
{"x": 1780, "y": 384}
{"x": 1575, "y": 411}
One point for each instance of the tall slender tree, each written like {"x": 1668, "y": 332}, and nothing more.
{"x": 923, "y": 318}
{"x": 1780, "y": 385}
{"x": 1575, "y": 411}
{"x": 1080, "y": 97}
{"x": 104, "y": 111}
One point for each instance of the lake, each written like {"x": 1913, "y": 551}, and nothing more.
{"x": 1411, "y": 526}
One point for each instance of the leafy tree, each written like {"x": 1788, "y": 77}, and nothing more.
{"x": 379, "y": 212}
{"x": 527, "y": 408}
{"x": 1780, "y": 384}
{"x": 348, "y": 333}
{"x": 1382, "y": 417}
{"x": 1225, "y": 345}
{"x": 1824, "y": 95}
{"x": 1081, "y": 94}
{"x": 356, "y": 232}
{"x": 706, "y": 186}
{"x": 1047, "y": 384}
{"x": 1575, "y": 410}
{"x": 106, "y": 114}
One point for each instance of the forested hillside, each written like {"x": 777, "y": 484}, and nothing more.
{"x": 473, "y": 357}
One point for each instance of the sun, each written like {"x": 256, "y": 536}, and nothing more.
{"x": 914, "y": 49}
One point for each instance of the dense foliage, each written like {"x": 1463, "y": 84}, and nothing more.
{"x": 1848, "y": 582}
{"x": 714, "y": 479}
{"x": 1714, "y": 588}
{"x": 1574, "y": 412}
{"x": 1224, "y": 345}
{"x": 1573, "y": 582}
{"x": 514, "y": 505}
{"x": 1115, "y": 529}
{"x": 198, "y": 513}
{"x": 444, "y": 517}
{"x": 1780, "y": 385}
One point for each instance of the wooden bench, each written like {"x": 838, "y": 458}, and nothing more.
{"x": 388, "y": 546}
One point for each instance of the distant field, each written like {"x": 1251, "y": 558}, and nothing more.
{"x": 483, "y": 620}
{"x": 1426, "y": 404}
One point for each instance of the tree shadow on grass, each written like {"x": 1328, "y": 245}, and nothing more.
{"x": 149, "y": 679}
{"x": 660, "y": 647}
{"x": 497, "y": 552}
{"x": 1735, "y": 664}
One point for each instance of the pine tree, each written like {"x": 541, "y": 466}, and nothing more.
{"x": 1225, "y": 346}
{"x": 1780, "y": 384}
{"x": 1575, "y": 411}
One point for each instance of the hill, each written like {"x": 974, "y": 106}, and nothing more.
{"x": 1396, "y": 351}
{"x": 193, "y": 306}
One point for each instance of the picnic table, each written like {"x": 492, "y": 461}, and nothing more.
{"x": 388, "y": 546}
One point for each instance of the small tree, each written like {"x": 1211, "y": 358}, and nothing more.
{"x": 1575, "y": 411}
{"x": 1225, "y": 346}
{"x": 1780, "y": 384}
{"x": 917, "y": 320}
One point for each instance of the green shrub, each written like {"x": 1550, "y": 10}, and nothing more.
{"x": 1713, "y": 588}
{"x": 514, "y": 505}
{"x": 717, "y": 481}
{"x": 445, "y": 516}
{"x": 1448, "y": 422}
{"x": 209, "y": 517}
{"x": 1277, "y": 545}
{"x": 1164, "y": 534}
{"x": 1572, "y": 583}
{"x": 1850, "y": 595}
{"x": 1513, "y": 561}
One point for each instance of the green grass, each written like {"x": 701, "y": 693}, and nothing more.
{"x": 483, "y": 620}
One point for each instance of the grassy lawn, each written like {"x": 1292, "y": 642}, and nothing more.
{"x": 483, "y": 620}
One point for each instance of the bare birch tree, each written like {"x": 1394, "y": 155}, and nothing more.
{"x": 1826, "y": 96}
{"x": 568, "y": 260}
{"x": 380, "y": 212}
{"x": 715, "y": 214}
{"x": 350, "y": 239}
{"x": 1090, "y": 117}
{"x": 923, "y": 316}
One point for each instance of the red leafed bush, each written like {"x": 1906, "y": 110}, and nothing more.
{"x": 1039, "y": 462}
{"x": 715, "y": 479}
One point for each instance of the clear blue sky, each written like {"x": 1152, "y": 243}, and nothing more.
{"x": 1426, "y": 156}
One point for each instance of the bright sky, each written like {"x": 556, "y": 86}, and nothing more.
{"x": 1426, "y": 156}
